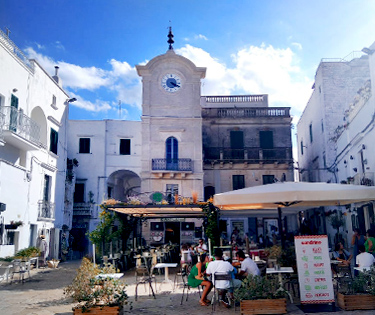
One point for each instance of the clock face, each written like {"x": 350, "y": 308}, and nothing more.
{"x": 171, "y": 82}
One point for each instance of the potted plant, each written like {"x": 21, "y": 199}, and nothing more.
{"x": 13, "y": 225}
{"x": 96, "y": 296}
{"x": 274, "y": 255}
{"x": 362, "y": 296}
{"x": 27, "y": 253}
{"x": 260, "y": 295}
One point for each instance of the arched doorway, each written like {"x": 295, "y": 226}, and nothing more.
{"x": 122, "y": 184}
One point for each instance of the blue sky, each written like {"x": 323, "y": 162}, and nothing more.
{"x": 249, "y": 47}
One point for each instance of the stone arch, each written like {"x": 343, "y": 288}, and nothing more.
{"x": 38, "y": 116}
{"x": 122, "y": 184}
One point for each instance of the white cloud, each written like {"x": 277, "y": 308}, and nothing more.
{"x": 298, "y": 45}
{"x": 59, "y": 45}
{"x": 97, "y": 106}
{"x": 256, "y": 70}
{"x": 200, "y": 36}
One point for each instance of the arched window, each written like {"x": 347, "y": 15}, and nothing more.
{"x": 171, "y": 150}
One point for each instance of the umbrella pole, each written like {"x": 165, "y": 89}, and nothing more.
{"x": 281, "y": 232}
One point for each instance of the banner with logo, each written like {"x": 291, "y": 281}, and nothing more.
{"x": 314, "y": 269}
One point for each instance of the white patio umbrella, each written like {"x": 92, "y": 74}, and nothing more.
{"x": 292, "y": 195}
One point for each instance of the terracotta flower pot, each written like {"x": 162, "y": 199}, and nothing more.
{"x": 100, "y": 310}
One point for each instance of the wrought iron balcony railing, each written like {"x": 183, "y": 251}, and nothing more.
{"x": 182, "y": 165}
{"x": 17, "y": 122}
{"x": 83, "y": 208}
{"x": 46, "y": 210}
{"x": 254, "y": 155}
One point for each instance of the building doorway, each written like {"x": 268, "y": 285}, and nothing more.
{"x": 172, "y": 232}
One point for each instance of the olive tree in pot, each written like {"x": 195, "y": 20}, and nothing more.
{"x": 96, "y": 296}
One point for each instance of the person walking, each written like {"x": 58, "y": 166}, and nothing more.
{"x": 44, "y": 250}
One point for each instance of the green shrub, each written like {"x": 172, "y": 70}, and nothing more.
{"x": 28, "y": 252}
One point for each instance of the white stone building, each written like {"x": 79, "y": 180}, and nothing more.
{"x": 33, "y": 150}
{"x": 325, "y": 146}
{"x": 355, "y": 159}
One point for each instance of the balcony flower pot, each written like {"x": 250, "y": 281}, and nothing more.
{"x": 11, "y": 227}
{"x": 258, "y": 295}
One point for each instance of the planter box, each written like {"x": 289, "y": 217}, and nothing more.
{"x": 356, "y": 302}
{"x": 105, "y": 310}
{"x": 264, "y": 306}
{"x": 11, "y": 227}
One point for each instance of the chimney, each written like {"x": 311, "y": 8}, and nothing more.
{"x": 56, "y": 77}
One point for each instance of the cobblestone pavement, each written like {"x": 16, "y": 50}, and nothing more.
{"x": 42, "y": 294}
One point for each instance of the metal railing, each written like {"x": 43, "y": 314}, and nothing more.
{"x": 246, "y": 112}
{"x": 2, "y": 120}
{"x": 184, "y": 165}
{"x": 365, "y": 179}
{"x": 254, "y": 155}
{"x": 46, "y": 210}
{"x": 12, "y": 47}
{"x": 16, "y": 121}
{"x": 236, "y": 98}
{"x": 83, "y": 208}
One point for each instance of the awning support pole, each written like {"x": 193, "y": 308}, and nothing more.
{"x": 281, "y": 232}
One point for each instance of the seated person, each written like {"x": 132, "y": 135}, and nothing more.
{"x": 364, "y": 259}
{"x": 248, "y": 266}
{"x": 196, "y": 278}
{"x": 202, "y": 247}
{"x": 342, "y": 254}
{"x": 185, "y": 255}
{"x": 224, "y": 267}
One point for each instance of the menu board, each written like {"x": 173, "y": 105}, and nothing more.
{"x": 314, "y": 269}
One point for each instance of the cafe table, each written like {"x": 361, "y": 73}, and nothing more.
{"x": 279, "y": 272}
{"x": 109, "y": 276}
{"x": 362, "y": 269}
{"x": 166, "y": 266}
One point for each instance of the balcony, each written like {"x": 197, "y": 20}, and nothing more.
{"x": 177, "y": 165}
{"x": 252, "y": 112}
{"x": 2, "y": 119}
{"x": 83, "y": 209}
{"x": 46, "y": 210}
{"x": 19, "y": 130}
{"x": 249, "y": 155}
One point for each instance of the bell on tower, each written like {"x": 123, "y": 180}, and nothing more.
{"x": 170, "y": 38}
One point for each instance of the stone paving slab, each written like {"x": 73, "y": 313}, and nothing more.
{"x": 42, "y": 294}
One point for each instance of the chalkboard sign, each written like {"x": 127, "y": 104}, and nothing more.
{"x": 314, "y": 269}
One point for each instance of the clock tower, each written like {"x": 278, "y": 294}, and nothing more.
{"x": 171, "y": 125}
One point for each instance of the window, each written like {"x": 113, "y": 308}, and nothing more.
{"x": 301, "y": 147}
{"x": 79, "y": 193}
{"x": 109, "y": 192}
{"x": 13, "y": 113}
{"x": 171, "y": 150}
{"x": 124, "y": 146}
{"x": 268, "y": 179}
{"x": 311, "y": 133}
{"x": 237, "y": 144}
{"x": 47, "y": 188}
{"x": 53, "y": 105}
{"x": 238, "y": 182}
{"x": 54, "y": 139}
{"x": 266, "y": 144}
{"x": 172, "y": 190}
{"x": 84, "y": 145}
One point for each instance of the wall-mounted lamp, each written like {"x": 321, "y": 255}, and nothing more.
{"x": 15, "y": 90}
{"x": 355, "y": 169}
{"x": 71, "y": 100}
{"x": 351, "y": 157}
{"x": 345, "y": 162}
{"x": 363, "y": 147}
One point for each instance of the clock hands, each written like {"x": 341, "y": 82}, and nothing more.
{"x": 174, "y": 84}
